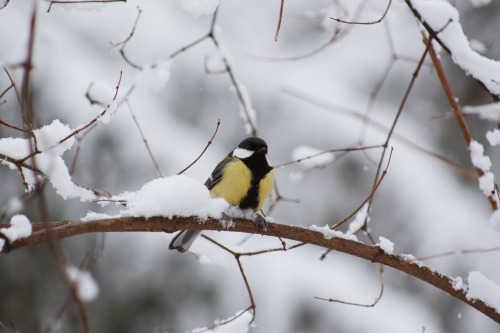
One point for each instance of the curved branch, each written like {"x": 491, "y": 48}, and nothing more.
{"x": 161, "y": 224}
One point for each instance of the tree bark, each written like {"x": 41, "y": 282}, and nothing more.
{"x": 162, "y": 224}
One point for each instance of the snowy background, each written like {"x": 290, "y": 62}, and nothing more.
{"x": 304, "y": 101}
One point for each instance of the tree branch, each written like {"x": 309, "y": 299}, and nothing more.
{"x": 161, "y": 224}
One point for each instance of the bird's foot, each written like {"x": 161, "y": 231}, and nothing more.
{"x": 262, "y": 221}
{"x": 226, "y": 220}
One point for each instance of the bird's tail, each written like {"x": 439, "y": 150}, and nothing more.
{"x": 183, "y": 240}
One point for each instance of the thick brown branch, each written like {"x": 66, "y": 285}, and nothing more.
{"x": 161, "y": 224}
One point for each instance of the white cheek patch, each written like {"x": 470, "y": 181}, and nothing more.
{"x": 242, "y": 153}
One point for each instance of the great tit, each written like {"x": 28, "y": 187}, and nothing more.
{"x": 243, "y": 178}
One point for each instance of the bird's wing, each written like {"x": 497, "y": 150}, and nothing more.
{"x": 216, "y": 175}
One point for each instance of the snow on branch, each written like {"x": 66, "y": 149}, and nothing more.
{"x": 444, "y": 22}
{"x": 375, "y": 254}
{"x": 51, "y": 142}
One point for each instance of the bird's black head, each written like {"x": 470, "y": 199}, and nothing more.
{"x": 253, "y": 152}
{"x": 254, "y": 144}
{"x": 249, "y": 147}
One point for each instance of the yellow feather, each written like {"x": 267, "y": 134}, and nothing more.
{"x": 235, "y": 182}
{"x": 265, "y": 187}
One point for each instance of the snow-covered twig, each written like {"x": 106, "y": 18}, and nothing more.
{"x": 458, "y": 115}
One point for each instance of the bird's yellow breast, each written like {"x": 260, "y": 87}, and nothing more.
{"x": 265, "y": 187}
{"x": 235, "y": 182}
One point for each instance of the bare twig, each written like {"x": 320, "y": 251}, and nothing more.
{"x": 244, "y": 103}
{"x": 242, "y": 271}
{"x": 79, "y": 140}
{"x": 366, "y": 23}
{"x": 381, "y": 127}
{"x": 279, "y": 21}
{"x": 374, "y": 189}
{"x": 157, "y": 166}
{"x": 61, "y": 2}
{"x": 458, "y": 252}
{"x": 204, "y": 150}
{"x": 278, "y": 198}
{"x": 14, "y": 85}
{"x": 393, "y": 126}
{"x": 91, "y": 257}
{"x": 337, "y": 34}
{"x": 369, "y": 305}
{"x": 349, "y": 149}
{"x": 126, "y": 40}
{"x": 84, "y": 127}
{"x": 16, "y": 128}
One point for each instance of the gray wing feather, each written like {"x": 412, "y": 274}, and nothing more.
{"x": 216, "y": 175}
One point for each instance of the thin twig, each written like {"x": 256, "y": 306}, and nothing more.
{"x": 366, "y": 23}
{"x": 396, "y": 118}
{"x": 381, "y": 127}
{"x": 242, "y": 271}
{"x": 91, "y": 257}
{"x": 80, "y": 1}
{"x": 204, "y": 150}
{"x": 227, "y": 69}
{"x": 458, "y": 252}
{"x": 349, "y": 149}
{"x": 14, "y": 85}
{"x": 222, "y": 322}
{"x": 126, "y": 40}
{"x": 79, "y": 140}
{"x": 78, "y": 130}
{"x": 337, "y": 34}
{"x": 369, "y": 197}
{"x": 15, "y": 127}
{"x": 279, "y": 21}
{"x": 369, "y": 305}
{"x": 278, "y": 198}
{"x": 157, "y": 166}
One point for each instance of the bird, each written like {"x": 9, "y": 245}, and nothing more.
{"x": 243, "y": 178}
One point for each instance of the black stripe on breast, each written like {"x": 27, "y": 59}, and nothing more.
{"x": 258, "y": 164}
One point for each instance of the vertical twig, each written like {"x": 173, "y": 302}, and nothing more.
{"x": 157, "y": 166}
{"x": 279, "y": 21}
{"x": 396, "y": 118}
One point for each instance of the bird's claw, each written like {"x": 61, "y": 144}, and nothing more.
{"x": 262, "y": 221}
{"x": 226, "y": 220}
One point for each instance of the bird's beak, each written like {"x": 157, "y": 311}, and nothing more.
{"x": 262, "y": 151}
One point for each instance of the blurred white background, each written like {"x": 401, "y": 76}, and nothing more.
{"x": 423, "y": 205}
